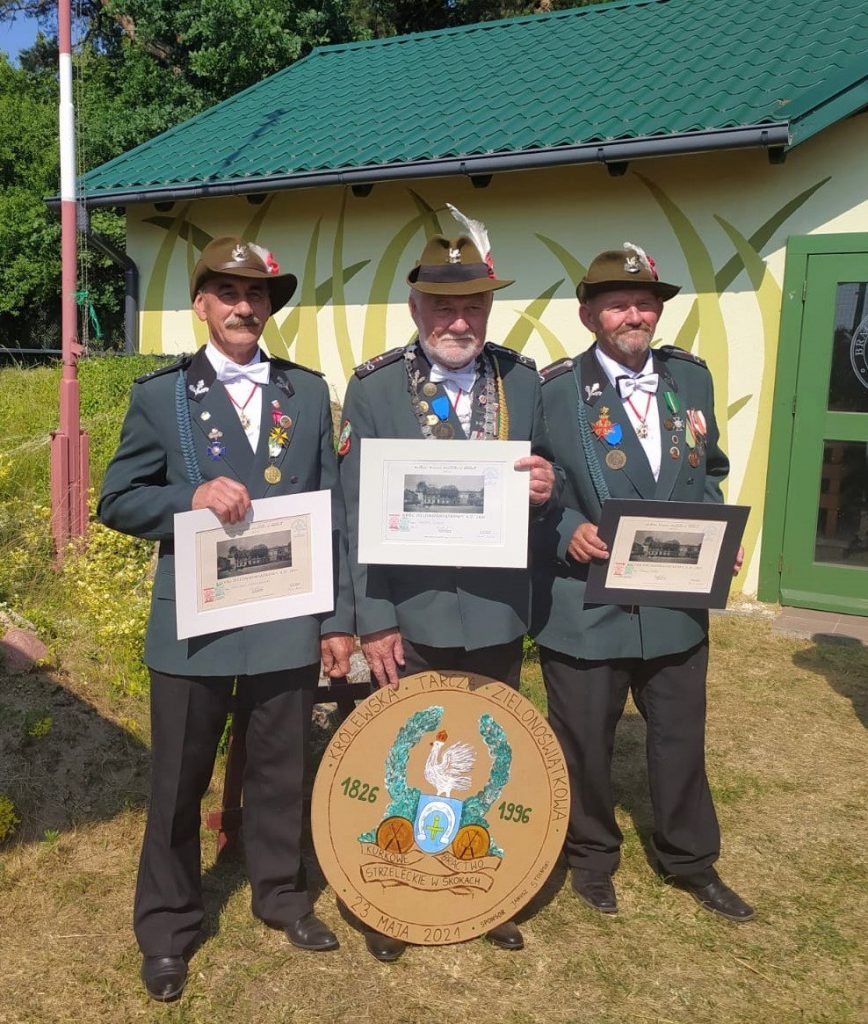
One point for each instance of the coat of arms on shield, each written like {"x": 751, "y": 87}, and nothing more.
{"x": 439, "y": 808}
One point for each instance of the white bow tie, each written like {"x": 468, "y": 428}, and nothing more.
{"x": 647, "y": 382}
{"x": 464, "y": 378}
{"x": 255, "y": 373}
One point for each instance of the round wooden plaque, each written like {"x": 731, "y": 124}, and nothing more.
{"x": 439, "y": 809}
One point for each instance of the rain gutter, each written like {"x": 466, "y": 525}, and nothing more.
{"x": 131, "y": 279}
{"x": 765, "y": 136}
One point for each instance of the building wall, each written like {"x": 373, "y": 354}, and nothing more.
{"x": 717, "y": 224}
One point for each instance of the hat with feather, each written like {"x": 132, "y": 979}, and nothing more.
{"x": 457, "y": 266}
{"x": 237, "y": 258}
{"x": 630, "y": 267}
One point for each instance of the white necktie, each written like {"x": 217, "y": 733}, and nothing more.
{"x": 255, "y": 373}
{"x": 648, "y": 383}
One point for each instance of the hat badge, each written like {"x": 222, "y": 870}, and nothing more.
{"x": 454, "y": 255}
{"x": 632, "y": 264}
{"x": 239, "y": 253}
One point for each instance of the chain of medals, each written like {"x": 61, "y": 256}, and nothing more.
{"x": 485, "y": 423}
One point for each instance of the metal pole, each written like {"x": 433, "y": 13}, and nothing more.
{"x": 69, "y": 446}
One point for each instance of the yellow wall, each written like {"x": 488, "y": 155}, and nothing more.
{"x": 717, "y": 224}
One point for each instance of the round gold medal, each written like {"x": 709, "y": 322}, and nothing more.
{"x": 616, "y": 459}
{"x": 429, "y": 389}
{"x": 443, "y": 431}
{"x": 272, "y": 474}
{"x": 440, "y": 808}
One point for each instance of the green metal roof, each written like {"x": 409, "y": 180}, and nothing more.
{"x": 609, "y": 82}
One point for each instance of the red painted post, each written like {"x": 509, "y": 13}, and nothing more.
{"x": 70, "y": 472}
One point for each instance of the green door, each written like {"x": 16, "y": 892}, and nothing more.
{"x": 825, "y": 542}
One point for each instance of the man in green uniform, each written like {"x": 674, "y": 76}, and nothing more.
{"x": 628, "y": 422}
{"x": 448, "y": 383}
{"x": 218, "y": 430}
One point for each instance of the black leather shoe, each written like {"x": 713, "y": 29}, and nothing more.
{"x": 716, "y": 896}
{"x": 164, "y": 977}
{"x": 506, "y": 936}
{"x": 310, "y": 933}
{"x": 383, "y": 947}
{"x": 596, "y": 889}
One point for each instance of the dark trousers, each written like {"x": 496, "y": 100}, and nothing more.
{"x": 188, "y": 716}
{"x": 586, "y": 699}
{"x": 500, "y": 661}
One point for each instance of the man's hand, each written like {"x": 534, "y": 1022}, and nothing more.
{"x": 739, "y": 561}
{"x": 542, "y": 477}
{"x": 586, "y": 545}
{"x": 384, "y": 653}
{"x": 226, "y": 498}
{"x": 335, "y": 650}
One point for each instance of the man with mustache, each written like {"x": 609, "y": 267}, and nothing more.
{"x": 448, "y": 383}
{"x": 217, "y": 430}
{"x": 628, "y": 422}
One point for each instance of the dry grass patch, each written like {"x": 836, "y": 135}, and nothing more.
{"x": 788, "y": 754}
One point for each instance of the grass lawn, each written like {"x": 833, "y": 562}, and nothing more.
{"x": 788, "y": 763}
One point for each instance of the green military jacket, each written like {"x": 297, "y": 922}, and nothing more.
{"x": 561, "y": 619}
{"x": 147, "y": 482}
{"x": 437, "y": 606}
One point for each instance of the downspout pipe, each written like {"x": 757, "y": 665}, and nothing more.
{"x": 131, "y": 279}
{"x": 762, "y": 136}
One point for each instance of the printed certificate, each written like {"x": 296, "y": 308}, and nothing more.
{"x": 675, "y": 554}
{"x": 458, "y": 503}
{"x": 277, "y": 564}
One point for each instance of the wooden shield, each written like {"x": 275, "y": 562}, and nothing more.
{"x": 439, "y": 809}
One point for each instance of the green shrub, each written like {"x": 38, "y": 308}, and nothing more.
{"x": 9, "y": 821}
{"x": 95, "y": 605}
{"x": 37, "y": 724}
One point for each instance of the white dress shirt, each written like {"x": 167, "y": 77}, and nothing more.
{"x": 652, "y": 443}
{"x": 458, "y": 385}
{"x": 239, "y": 389}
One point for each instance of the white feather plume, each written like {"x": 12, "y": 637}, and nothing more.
{"x": 640, "y": 252}
{"x": 474, "y": 228}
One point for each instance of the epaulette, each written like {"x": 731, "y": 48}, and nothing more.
{"x": 179, "y": 364}
{"x": 555, "y": 370}
{"x": 679, "y": 353}
{"x": 378, "y": 362}
{"x": 510, "y": 353}
{"x": 288, "y": 364}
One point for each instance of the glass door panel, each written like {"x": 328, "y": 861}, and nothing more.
{"x": 825, "y": 551}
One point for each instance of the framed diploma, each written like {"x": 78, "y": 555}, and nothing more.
{"x": 458, "y": 503}
{"x": 277, "y": 564}
{"x": 674, "y": 554}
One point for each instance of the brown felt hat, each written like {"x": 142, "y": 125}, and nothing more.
{"x": 453, "y": 266}
{"x": 623, "y": 268}
{"x": 237, "y": 258}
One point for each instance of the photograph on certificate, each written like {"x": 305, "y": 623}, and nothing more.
{"x": 276, "y": 564}
{"x": 429, "y": 501}
{"x": 253, "y": 561}
{"x": 677, "y": 554}
{"x": 443, "y": 503}
{"x": 665, "y": 554}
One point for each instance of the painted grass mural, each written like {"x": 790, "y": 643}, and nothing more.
{"x": 703, "y": 330}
